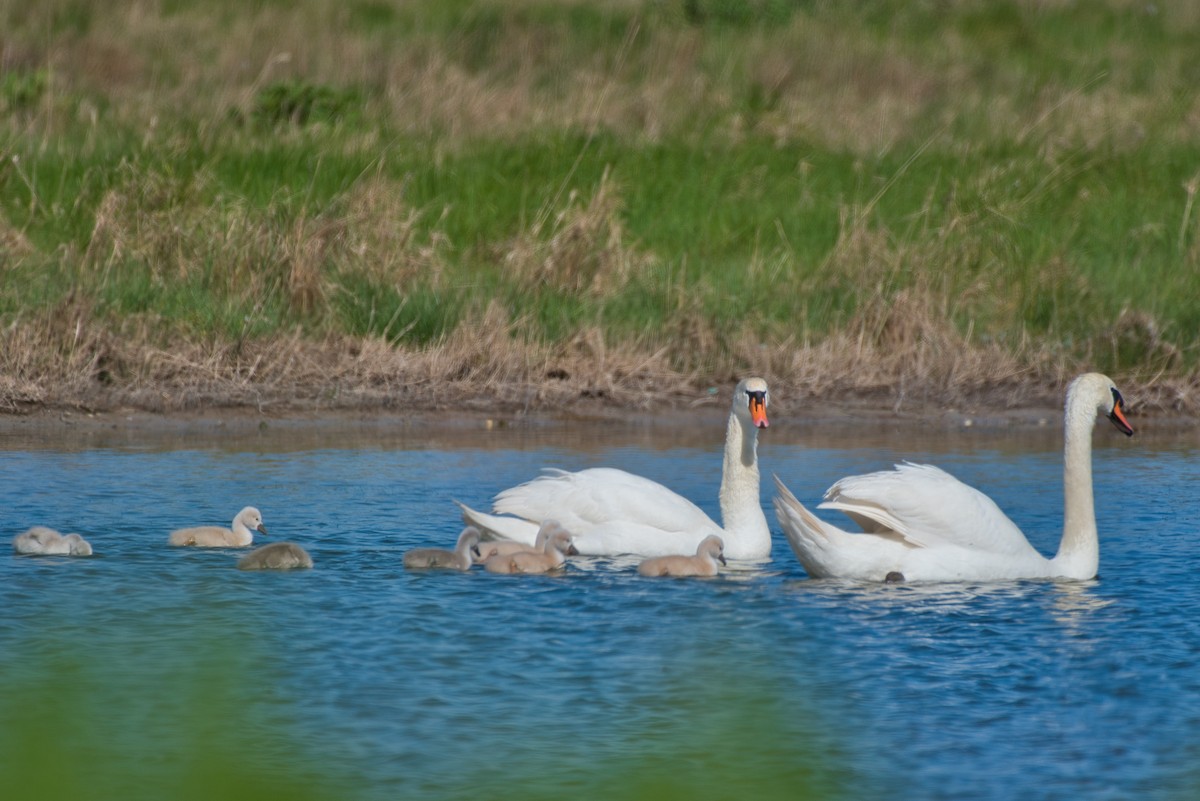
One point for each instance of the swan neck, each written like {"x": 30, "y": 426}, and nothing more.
{"x": 1079, "y": 551}
{"x": 241, "y": 533}
{"x": 741, "y": 511}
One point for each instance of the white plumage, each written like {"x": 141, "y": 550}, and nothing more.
{"x": 922, "y": 522}
{"x": 610, "y": 511}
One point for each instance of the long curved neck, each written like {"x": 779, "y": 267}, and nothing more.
{"x": 1079, "y": 552}
{"x": 241, "y": 532}
{"x": 741, "y": 510}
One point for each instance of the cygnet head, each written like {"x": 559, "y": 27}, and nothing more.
{"x": 750, "y": 401}
{"x": 468, "y": 541}
{"x": 77, "y": 545}
{"x": 251, "y": 518}
{"x": 713, "y": 547}
{"x": 559, "y": 540}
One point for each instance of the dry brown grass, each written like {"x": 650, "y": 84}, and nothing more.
{"x": 581, "y": 249}
{"x": 895, "y": 357}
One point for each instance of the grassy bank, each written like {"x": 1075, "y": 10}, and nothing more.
{"x": 372, "y": 203}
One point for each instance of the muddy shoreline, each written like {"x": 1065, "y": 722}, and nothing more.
{"x": 682, "y": 416}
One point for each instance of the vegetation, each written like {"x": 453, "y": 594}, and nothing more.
{"x": 365, "y": 202}
{"x": 189, "y": 724}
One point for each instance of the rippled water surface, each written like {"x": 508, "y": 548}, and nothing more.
{"x": 392, "y": 684}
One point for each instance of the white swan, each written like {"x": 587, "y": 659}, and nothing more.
{"x": 611, "y": 512}
{"x": 246, "y": 521}
{"x": 276, "y": 556}
{"x": 46, "y": 541}
{"x": 704, "y": 563}
{"x": 928, "y": 526}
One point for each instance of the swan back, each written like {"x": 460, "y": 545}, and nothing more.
{"x": 276, "y": 556}
{"x": 927, "y": 507}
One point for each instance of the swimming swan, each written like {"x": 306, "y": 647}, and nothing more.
{"x": 247, "y": 520}
{"x": 552, "y": 556}
{"x": 611, "y": 512}
{"x": 460, "y": 558}
{"x": 47, "y": 541}
{"x": 928, "y": 526}
{"x": 704, "y": 563}
{"x": 276, "y": 556}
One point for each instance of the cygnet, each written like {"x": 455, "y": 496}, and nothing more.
{"x": 552, "y": 556}
{"x": 247, "y": 521}
{"x": 710, "y": 551}
{"x": 276, "y": 556}
{"x": 43, "y": 540}
{"x": 459, "y": 559}
{"x": 508, "y": 547}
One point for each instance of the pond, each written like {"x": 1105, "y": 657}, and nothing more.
{"x": 147, "y": 671}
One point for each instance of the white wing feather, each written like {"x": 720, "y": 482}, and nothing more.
{"x": 928, "y": 507}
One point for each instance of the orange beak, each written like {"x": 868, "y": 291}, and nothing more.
{"x": 1117, "y": 416}
{"x": 758, "y": 411}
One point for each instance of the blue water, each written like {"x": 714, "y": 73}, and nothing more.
{"x": 418, "y": 685}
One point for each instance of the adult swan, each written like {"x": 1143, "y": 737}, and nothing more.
{"x": 611, "y": 512}
{"x": 928, "y": 526}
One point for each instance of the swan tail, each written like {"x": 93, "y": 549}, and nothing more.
{"x": 499, "y": 527}
{"x": 811, "y": 538}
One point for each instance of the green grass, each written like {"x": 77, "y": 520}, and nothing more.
{"x": 205, "y": 717}
{"x": 779, "y": 168}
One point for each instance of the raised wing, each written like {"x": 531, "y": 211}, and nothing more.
{"x": 928, "y": 507}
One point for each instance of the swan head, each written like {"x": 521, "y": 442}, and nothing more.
{"x": 751, "y": 399}
{"x": 559, "y": 541}
{"x": 251, "y": 518}
{"x": 1099, "y": 392}
{"x": 714, "y": 547}
{"x": 78, "y": 545}
{"x": 468, "y": 540}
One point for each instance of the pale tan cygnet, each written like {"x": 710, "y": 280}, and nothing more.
{"x": 240, "y": 535}
{"x": 710, "y": 551}
{"x": 508, "y": 547}
{"x": 552, "y": 556}
{"x": 460, "y": 558}
{"x": 47, "y": 541}
{"x": 276, "y": 556}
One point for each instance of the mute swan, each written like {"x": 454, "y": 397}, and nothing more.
{"x": 612, "y": 512}
{"x": 218, "y": 537}
{"x": 508, "y": 547}
{"x": 47, "y": 541}
{"x": 704, "y": 563}
{"x": 276, "y": 556}
{"x": 928, "y": 526}
{"x": 460, "y": 558}
{"x": 552, "y": 556}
